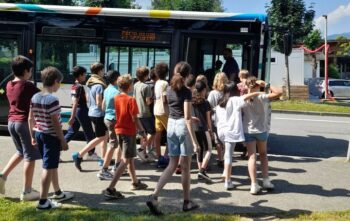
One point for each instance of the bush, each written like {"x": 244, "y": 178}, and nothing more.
{"x": 333, "y": 71}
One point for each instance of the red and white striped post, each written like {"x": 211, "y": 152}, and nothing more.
{"x": 326, "y": 95}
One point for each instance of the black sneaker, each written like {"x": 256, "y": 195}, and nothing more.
{"x": 112, "y": 194}
{"x": 202, "y": 174}
{"x": 77, "y": 160}
{"x": 139, "y": 186}
{"x": 77, "y": 163}
{"x": 189, "y": 206}
{"x": 153, "y": 206}
{"x": 220, "y": 163}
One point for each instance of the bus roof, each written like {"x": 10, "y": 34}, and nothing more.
{"x": 216, "y": 16}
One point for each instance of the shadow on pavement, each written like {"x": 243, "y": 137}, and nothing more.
{"x": 283, "y": 186}
{"x": 307, "y": 146}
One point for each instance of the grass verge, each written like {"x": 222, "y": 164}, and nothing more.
{"x": 297, "y": 105}
{"x": 13, "y": 211}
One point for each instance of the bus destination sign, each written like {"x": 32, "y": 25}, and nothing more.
{"x": 138, "y": 36}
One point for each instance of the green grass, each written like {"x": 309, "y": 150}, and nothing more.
{"x": 296, "y": 105}
{"x": 13, "y": 211}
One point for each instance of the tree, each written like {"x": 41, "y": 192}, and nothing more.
{"x": 343, "y": 49}
{"x": 312, "y": 41}
{"x": 289, "y": 16}
{"x": 189, "y": 5}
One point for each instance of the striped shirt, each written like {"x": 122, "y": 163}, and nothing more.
{"x": 43, "y": 107}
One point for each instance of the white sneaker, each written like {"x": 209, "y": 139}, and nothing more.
{"x": 62, "y": 197}
{"x": 141, "y": 154}
{"x": 267, "y": 184}
{"x": 31, "y": 196}
{"x": 152, "y": 154}
{"x": 105, "y": 175}
{"x": 49, "y": 204}
{"x": 92, "y": 157}
{"x": 255, "y": 188}
{"x": 2, "y": 185}
{"x": 229, "y": 185}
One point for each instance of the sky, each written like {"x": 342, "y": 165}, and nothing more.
{"x": 338, "y": 11}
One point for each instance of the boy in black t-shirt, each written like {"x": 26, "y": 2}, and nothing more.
{"x": 79, "y": 116}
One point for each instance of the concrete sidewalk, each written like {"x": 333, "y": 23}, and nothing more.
{"x": 302, "y": 184}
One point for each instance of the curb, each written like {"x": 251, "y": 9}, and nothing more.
{"x": 311, "y": 113}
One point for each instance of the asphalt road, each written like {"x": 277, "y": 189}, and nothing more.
{"x": 307, "y": 166}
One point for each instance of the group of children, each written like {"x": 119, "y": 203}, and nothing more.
{"x": 193, "y": 117}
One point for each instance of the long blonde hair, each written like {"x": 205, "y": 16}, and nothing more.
{"x": 219, "y": 81}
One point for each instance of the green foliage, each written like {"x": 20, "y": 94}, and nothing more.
{"x": 189, "y": 5}
{"x": 289, "y": 15}
{"x": 333, "y": 71}
{"x": 313, "y": 40}
{"x": 299, "y": 105}
{"x": 344, "y": 47}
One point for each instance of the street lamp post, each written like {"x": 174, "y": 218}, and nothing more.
{"x": 326, "y": 58}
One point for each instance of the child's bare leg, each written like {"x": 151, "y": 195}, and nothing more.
{"x": 108, "y": 157}
{"x": 262, "y": 148}
{"x": 28, "y": 172}
{"x": 14, "y": 161}
{"x": 118, "y": 173}
{"x": 251, "y": 147}
{"x": 132, "y": 172}
{"x": 54, "y": 181}
{"x": 46, "y": 178}
{"x": 167, "y": 173}
{"x": 91, "y": 145}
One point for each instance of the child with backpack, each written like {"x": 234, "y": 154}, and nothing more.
{"x": 97, "y": 84}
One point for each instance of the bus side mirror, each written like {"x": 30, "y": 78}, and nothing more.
{"x": 288, "y": 43}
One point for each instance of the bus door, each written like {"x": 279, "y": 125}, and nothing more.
{"x": 203, "y": 53}
{"x": 126, "y": 50}
{"x": 127, "y": 58}
{"x": 13, "y": 41}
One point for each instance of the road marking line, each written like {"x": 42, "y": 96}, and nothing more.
{"x": 301, "y": 119}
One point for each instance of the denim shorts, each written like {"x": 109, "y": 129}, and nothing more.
{"x": 19, "y": 132}
{"x": 179, "y": 139}
{"x": 256, "y": 137}
{"x": 50, "y": 149}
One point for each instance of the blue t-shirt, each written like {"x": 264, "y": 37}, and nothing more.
{"x": 109, "y": 94}
{"x": 94, "y": 110}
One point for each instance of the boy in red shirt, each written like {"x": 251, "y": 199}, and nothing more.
{"x": 126, "y": 111}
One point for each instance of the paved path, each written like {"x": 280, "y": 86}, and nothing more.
{"x": 318, "y": 182}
